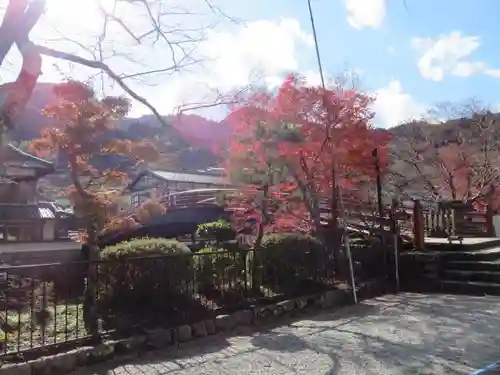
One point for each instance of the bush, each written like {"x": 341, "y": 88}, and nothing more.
{"x": 216, "y": 267}
{"x": 286, "y": 260}
{"x": 219, "y": 231}
{"x": 145, "y": 277}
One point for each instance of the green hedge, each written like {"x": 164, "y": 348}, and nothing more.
{"x": 219, "y": 231}
{"x": 217, "y": 267}
{"x": 288, "y": 259}
{"x": 143, "y": 276}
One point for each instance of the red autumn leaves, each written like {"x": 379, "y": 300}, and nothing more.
{"x": 291, "y": 140}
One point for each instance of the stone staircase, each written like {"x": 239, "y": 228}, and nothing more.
{"x": 472, "y": 268}
{"x": 475, "y": 272}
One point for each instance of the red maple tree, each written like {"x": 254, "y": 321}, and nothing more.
{"x": 82, "y": 132}
{"x": 287, "y": 144}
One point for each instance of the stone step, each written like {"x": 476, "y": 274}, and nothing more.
{"x": 477, "y": 288}
{"x": 474, "y": 275}
{"x": 469, "y": 244}
{"x": 471, "y": 265}
{"x": 476, "y": 255}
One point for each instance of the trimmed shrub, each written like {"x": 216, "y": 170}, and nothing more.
{"x": 216, "y": 267}
{"x": 219, "y": 230}
{"x": 143, "y": 277}
{"x": 287, "y": 260}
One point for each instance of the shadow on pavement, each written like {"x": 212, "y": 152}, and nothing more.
{"x": 289, "y": 343}
{"x": 418, "y": 333}
{"x": 397, "y": 334}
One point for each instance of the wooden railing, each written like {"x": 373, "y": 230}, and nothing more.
{"x": 450, "y": 220}
{"x": 194, "y": 197}
{"x": 413, "y": 219}
{"x": 457, "y": 219}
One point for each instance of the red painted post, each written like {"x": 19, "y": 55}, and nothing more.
{"x": 418, "y": 226}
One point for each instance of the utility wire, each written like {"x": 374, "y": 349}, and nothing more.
{"x": 335, "y": 175}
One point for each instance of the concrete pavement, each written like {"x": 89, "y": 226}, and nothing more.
{"x": 402, "y": 334}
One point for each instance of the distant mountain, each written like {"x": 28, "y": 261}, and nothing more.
{"x": 191, "y": 138}
{"x": 194, "y": 139}
{"x": 32, "y": 120}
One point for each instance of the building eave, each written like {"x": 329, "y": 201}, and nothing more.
{"x": 22, "y": 158}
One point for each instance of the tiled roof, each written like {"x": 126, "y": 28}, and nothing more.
{"x": 19, "y": 212}
{"x": 18, "y": 157}
{"x": 46, "y": 213}
{"x": 25, "y": 212}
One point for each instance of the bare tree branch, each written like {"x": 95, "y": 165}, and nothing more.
{"x": 105, "y": 68}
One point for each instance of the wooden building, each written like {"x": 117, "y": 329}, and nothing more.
{"x": 23, "y": 217}
{"x": 157, "y": 184}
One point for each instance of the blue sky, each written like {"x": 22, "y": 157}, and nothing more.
{"x": 410, "y": 57}
{"x": 383, "y": 48}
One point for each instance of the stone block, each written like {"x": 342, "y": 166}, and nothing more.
{"x": 15, "y": 369}
{"x": 131, "y": 343}
{"x": 159, "y": 338}
{"x": 301, "y": 302}
{"x": 42, "y": 366}
{"x": 224, "y": 323}
{"x": 277, "y": 310}
{"x": 199, "y": 329}
{"x": 62, "y": 363}
{"x": 319, "y": 301}
{"x": 288, "y": 305}
{"x": 184, "y": 333}
{"x": 210, "y": 326}
{"x": 103, "y": 350}
{"x": 333, "y": 298}
{"x": 243, "y": 317}
{"x": 82, "y": 355}
{"x": 262, "y": 315}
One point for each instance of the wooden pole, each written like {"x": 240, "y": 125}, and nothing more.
{"x": 490, "y": 228}
{"x": 395, "y": 236}
{"x": 418, "y": 226}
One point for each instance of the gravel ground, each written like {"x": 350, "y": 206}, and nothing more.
{"x": 403, "y": 334}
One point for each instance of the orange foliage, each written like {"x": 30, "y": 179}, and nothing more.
{"x": 143, "y": 214}
{"x": 119, "y": 224}
{"x": 150, "y": 209}
{"x": 84, "y": 123}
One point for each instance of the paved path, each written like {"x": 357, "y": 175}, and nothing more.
{"x": 403, "y": 334}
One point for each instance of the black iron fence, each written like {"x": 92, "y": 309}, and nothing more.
{"x": 43, "y": 305}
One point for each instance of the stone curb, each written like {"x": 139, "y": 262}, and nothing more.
{"x": 161, "y": 338}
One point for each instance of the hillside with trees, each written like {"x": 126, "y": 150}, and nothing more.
{"x": 187, "y": 144}
{"x": 456, "y": 159}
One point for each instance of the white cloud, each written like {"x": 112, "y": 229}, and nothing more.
{"x": 449, "y": 54}
{"x": 365, "y": 13}
{"x": 261, "y": 51}
{"x": 269, "y": 48}
{"x": 394, "y": 106}
{"x": 230, "y": 55}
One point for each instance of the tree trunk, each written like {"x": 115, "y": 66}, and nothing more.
{"x": 91, "y": 290}
{"x": 335, "y": 232}
{"x": 264, "y": 220}
{"x": 19, "y": 18}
